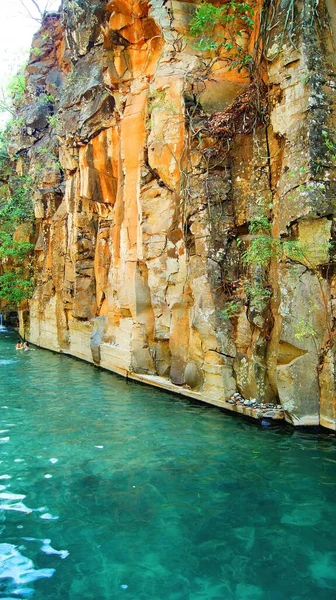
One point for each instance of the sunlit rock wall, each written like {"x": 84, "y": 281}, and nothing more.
{"x": 141, "y": 227}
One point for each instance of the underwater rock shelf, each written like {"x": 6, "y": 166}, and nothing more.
{"x": 258, "y": 413}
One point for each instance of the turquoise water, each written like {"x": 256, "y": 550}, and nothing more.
{"x": 113, "y": 490}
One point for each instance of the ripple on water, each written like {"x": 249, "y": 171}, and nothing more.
{"x": 17, "y": 570}
{"x": 46, "y": 547}
{"x": 15, "y": 506}
{"x": 10, "y": 496}
{"x": 8, "y": 362}
{"x": 49, "y": 517}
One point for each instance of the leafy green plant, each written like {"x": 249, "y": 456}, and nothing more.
{"x": 16, "y": 87}
{"x": 16, "y": 208}
{"x": 12, "y": 249}
{"x": 259, "y": 225}
{"x": 53, "y": 121}
{"x": 294, "y": 250}
{"x": 16, "y": 283}
{"x": 258, "y": 294}
{"x": 4, "y": 158}
{"x": 36, "y": 51}
{"x": 231, "y": 309}
{"x": 330, "y": 145}
{"x": 12, "y": 98}
{"x": 211, "y": 24}
{"x": 260, "y": 251}
{"x": 16, "y": 205}
{"x": 13, "y": 123}
{"x": 306, "y": 76}
{"x": 264, "y": 247}
{"x": 304, "y": 329}
{"x": 47, "y": 99}
{"x": 14, "y": 287}
{"x": 208, "y": 16}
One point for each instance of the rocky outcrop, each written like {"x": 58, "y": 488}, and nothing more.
{"x": 156, "y": 168}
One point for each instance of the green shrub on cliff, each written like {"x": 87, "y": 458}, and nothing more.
{"x": 15, "y": 202}
{"x": 258, "y": 294}
{"x": 17, "y": 86}
{"x": 4, "y": 158}
{"x": 11, "y": 249}
{"x": 15, "y": 287}
{"x": 219, "y": 29}
{"x": 12, "y": 97}
{"x": 231, "y": 309}
{"x": 16, "y": 282}
{"x": 16, "y": 208}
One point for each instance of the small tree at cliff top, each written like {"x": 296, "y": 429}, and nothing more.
{"x": 37, "y": 9}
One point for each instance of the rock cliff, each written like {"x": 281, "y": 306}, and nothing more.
{"x": 185, "y": 203}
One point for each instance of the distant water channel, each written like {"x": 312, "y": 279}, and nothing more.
{"x": 113, "y": 490}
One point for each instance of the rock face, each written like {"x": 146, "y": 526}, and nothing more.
{"x": 157, "y": 168}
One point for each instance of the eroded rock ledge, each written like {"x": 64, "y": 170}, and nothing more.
{"x": 149, "y": 173}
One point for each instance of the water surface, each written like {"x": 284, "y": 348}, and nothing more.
{"x": 113, "y": 490}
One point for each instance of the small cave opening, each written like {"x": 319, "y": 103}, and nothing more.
{"x": 9, "y": 318}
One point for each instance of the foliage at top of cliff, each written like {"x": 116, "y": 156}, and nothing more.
{"x": 221, "y": 29}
